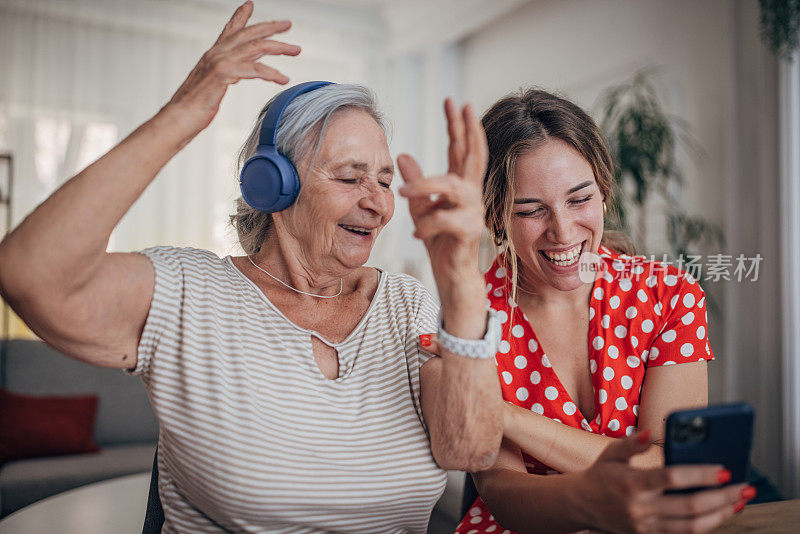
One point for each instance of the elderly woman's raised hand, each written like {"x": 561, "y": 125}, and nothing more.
{"x": 633, "y": 500}
{"x": 447, "y": 210}
{"x": 233, "y": 57}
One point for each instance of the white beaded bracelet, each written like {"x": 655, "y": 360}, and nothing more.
{"x": 474, "y": 348}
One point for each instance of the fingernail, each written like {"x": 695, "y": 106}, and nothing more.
{"x": 425, "y": 340}
{"x": 748, "y": 493}
{"x": 644, "y": 437}
{"x": 723, "y": 476}
{"x": 738, "y": 507}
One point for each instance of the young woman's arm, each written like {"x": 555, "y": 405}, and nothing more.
{"x": 566, "y": 449}
{"x": 523, "y": 502}
{"x": 54, "y": 269}
{"x": 611, "y": 495}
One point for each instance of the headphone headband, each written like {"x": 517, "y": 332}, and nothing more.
{"x": 269, "y": 126}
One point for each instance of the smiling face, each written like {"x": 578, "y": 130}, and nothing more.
{"x": 557, "y": 214}
{"x": 346, "y": 199}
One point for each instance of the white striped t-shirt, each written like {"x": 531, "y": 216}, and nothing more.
{"x": 253, "y": 438}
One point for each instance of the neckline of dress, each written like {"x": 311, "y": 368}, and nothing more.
{"x": 591, "y": 331}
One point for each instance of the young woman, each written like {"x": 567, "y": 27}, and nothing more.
{"x": 597, "y": 344}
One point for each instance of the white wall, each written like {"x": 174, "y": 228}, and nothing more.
{"x": 580, "y": 48}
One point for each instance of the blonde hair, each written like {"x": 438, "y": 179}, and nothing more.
{"x": 523, "y": 121}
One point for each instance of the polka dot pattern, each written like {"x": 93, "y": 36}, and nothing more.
{"x": 655, "y": 318}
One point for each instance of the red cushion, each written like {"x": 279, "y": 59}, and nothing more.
{"x": 32, "y": 426}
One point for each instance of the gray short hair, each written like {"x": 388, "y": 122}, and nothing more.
{"x": 302, "y": 126}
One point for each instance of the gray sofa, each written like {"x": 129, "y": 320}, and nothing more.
{"x": 126, "y": 429}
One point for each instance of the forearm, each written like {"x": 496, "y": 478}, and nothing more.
{"x": 467, "y": 423}
{"x": 60, "y": 244}
{"x": 528, "y": 503}
{"x": 562, "y": 447}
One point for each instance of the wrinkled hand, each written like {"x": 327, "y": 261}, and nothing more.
{"x": 627, "y": 499}
{"x": 233, "y": 57}
{"x": 447, "y": 210}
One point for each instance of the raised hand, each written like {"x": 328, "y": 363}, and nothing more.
{"x": 633, "y": 500}
{"x": 233, "y": 57}
{"x": 447, "y": 210}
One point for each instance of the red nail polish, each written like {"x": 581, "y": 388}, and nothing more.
{"x": 748, "y": 493}
{"x": 425, "y": 340}
{"x": 738, "y": 507}
{"x": 723, "y": 476}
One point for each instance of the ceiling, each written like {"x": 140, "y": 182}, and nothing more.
{"x": 402, "y": 24}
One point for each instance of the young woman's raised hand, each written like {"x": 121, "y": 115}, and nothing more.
{"x": 233, "y": 57}
{"x": 447, "y": 210}
{"x": 633, "y": 500}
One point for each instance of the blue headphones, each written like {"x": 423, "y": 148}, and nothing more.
{"x": 268, "y": 180}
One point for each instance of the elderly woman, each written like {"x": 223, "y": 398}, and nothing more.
{"x": 288, "y": 383}
{"x": 585, "y": 361}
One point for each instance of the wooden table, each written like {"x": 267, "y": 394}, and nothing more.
{"x": 774, "y": 517}
{"x": 113, "y": 506}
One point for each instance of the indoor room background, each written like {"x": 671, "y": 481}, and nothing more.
{"x": 76, "y": 76}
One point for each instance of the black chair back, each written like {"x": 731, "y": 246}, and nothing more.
{"x": 154, "y": 517}
{"x": 469, "y": 496}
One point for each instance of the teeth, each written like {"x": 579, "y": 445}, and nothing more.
{"x": 564, "y": 259}
{"x": 355, "y": 229}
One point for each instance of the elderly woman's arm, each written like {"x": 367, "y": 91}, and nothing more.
{"x": 461, "y": 398}
{"x": 54, "y": 269}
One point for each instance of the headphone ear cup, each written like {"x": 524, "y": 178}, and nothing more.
{"x": 269, "y": 181}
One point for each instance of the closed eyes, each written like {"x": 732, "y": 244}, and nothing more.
{"x": 539, "y": 211}
{"x": 384, "y": 184}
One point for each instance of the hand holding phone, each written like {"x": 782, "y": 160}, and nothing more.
{"x": 720, "y": 434}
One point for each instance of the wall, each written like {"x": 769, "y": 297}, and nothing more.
{"x": 713, "y": 72}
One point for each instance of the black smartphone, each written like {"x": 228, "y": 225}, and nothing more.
{"x": 720, "y": 434}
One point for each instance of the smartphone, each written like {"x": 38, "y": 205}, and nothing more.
{"x": 720, "y": 434}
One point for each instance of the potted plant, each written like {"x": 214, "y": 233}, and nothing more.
{"x": 643, "y": 141}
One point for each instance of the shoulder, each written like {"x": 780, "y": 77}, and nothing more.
{"x": 498, "y": 288}
{"x": 649, "y": 280}
{"x": 407, "y": 297}
{"x": 185, "y": 263}
{"x": 181, "y": 254}
{"x": 405, "y": 286}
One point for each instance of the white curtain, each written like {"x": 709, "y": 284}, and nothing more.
{"x": 790, "y": 251}
{"x": 77, "y": 76}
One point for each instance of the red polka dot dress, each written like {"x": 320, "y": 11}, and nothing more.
{"x": 641, "y": 314}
